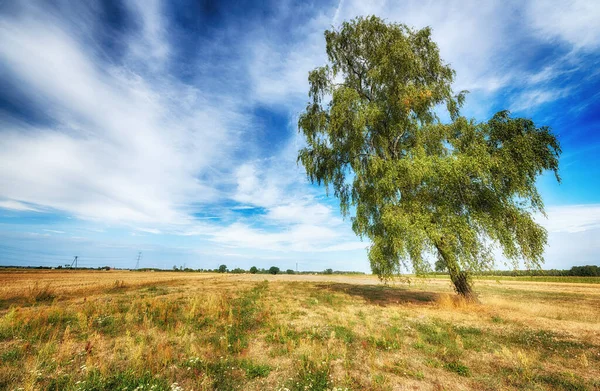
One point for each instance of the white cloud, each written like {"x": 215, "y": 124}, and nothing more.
{"x": 54, "y": 231}
{"x": 279, "y": 70}
{"x": 303, "y": 212}
{"x": 298, "y": 238}
{"x": 254, "y": 188}
{"x": 16, "y": 205}
{"x": 150, "y": 42}
{"x": 534, "y": 97}
{"x": 571, "y": 218}
{"x": 572, "y": 21}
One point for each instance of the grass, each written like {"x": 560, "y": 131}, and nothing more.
{"x": 75, "y": 330}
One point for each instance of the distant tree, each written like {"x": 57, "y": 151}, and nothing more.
{"x": 253, "y": 270}
{"x": 274, "y": 270}
{"x": 290, "y": 271}
{"x": 328, "y": 271}
{"x": 585, "y": 271}
{"x": 222, "y": 269}
{"x": 238, "y": 270}
{"x": 440, "y": 266}
{"x": 175, "y": 268}
{"x": 419, "y": 186}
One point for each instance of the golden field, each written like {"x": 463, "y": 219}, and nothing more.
{"x": 122, "y": 330}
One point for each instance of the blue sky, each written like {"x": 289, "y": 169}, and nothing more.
{"x": 142, "y": 125}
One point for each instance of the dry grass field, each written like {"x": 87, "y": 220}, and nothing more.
{"x": 119, "y": 330}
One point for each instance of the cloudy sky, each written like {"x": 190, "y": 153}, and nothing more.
{"x": 139, "y": 125}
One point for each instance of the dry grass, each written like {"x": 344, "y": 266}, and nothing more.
{"x": 80, "y": 330}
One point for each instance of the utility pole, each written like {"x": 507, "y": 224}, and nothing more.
{"x": 74, "y": 262}
{"x": 137, "y": 264}
{"x": 296, "y": 267}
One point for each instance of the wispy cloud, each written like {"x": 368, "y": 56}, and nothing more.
{"x": 535, "y": 97}
{"x": 572, "y": 218}
{"x": 16, "y": 205}
{"x": 574, "y": 22}
{"x": 124, "y": 145}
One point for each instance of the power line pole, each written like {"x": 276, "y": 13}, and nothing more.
{"x": 137, "y": 264}
{"x": 74, "y": 262}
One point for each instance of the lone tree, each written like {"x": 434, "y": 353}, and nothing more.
{"x": 418, "y": 186}
{"x": 274, "y": 270}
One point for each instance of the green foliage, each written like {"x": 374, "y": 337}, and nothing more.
{"x": 290, "y": 271}
{"x": 440, "y": 266}
{"x": 253, "y": 270}
{"x": 222, "y": 269}
{"x": 274, "y": 270}
{"x": 416, "y": 185}
{"x": 585, "y": 271}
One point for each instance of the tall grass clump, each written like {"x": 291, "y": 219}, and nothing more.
{"x": 39, "y": 293}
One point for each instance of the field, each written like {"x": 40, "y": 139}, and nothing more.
{"x": 119, "y": 330}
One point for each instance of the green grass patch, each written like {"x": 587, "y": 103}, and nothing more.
{"x": 11, "y": 355}
{"x": 245, "y": 311}
{"x": 563, "y": 381}
{"x": 458, "y": 368}
{"x": 312, "y": 376}
{"x": 97, "y": 381}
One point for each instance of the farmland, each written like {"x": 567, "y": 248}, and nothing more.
{"x": 107, "y": 330}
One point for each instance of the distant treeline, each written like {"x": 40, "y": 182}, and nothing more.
{"x": 575, "y": 271}
{"x": 220, "y": 269}
{"x": 59, "y": 267}
{"x": 254, "y": 270}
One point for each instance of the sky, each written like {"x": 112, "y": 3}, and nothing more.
{"x": 170, "y": 128}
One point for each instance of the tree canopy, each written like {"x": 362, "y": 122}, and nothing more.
{"x": 383, "y": 130}
{"x": 274, "y": 270}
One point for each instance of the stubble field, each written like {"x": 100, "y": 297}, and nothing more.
{"x": 120, "y": 330}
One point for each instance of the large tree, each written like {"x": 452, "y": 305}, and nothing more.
{"x": 384, "y": 131}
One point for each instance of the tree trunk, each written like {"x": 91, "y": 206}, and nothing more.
{"x": 460, "y": 279}
{"x": 462, "y": 283}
